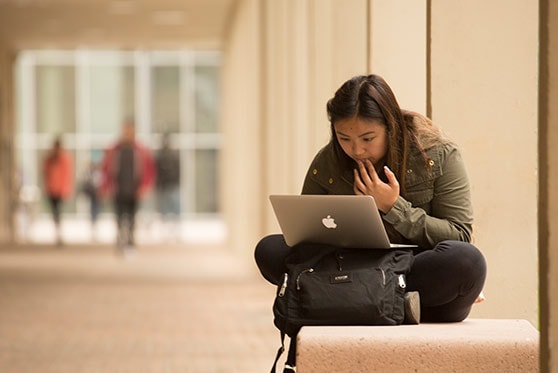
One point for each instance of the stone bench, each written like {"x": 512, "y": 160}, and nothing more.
{"x": 474, "y": 345}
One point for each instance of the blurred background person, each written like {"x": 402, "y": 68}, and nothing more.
{"x": 128, "y": 175}
{"x": 58, "y": 182}
{"x": 90, "y": 188}
{"x": 168, "y": 188}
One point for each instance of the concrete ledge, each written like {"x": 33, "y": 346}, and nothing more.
{"x": 474, "y": 345}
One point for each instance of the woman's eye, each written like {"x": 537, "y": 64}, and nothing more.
{"x": 343, "y": 139}
{"x": 368, "y": 139}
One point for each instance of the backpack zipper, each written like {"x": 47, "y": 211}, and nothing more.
{"x": 309, "y": 270}
{"x": 284, "y": 285}
{"x": 383, "y": 276}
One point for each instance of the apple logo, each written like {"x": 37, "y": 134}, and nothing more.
{"x": 329, "y": 222}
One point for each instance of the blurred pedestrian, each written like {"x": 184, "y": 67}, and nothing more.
{"x": 168, "y": 188}
{"x": 128, "y": 175}
{"x": 90, "y": 188}
{"x": 58, "y": 182}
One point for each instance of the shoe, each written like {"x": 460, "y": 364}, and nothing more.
{"x": 412, "y": 308}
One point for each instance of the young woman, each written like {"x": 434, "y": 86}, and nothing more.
{"x": 419, "y": 182}
{"x": 58, "y": 182}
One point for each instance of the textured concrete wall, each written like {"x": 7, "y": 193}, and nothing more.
{"x": 398, "y": 49}
{"x": 484, "y": 67}
{"x": 6, "y": 143}
{"x": 241, "y": 126}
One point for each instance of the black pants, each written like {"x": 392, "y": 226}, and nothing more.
{"x": 125, "y": 208}
{"x": 448, "y": 277}
{"x": 55, "y": 204}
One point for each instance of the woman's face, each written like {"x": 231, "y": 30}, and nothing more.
{"x": 362, "y": 139}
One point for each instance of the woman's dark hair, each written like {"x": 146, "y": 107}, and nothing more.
{"x": 369, "y": 97}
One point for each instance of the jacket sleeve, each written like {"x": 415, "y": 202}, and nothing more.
{"x": 451, "y": 214}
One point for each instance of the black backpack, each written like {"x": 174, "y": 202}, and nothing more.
{"x": 326, "y": 285}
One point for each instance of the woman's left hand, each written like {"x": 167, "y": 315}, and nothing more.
{"x": 367, "y": 182}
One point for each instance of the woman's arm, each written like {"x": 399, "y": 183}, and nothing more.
{"x": 451, "y": 214}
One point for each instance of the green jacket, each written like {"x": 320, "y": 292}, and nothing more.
{"x": 436, "y": 205}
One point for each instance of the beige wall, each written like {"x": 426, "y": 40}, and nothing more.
{"x": 484, "y": 94}
{"x": 548, "y": 191}
{"x": 6, "y": 141}
{"x": 241, "y": 163}
{"x": 399, "y": 49}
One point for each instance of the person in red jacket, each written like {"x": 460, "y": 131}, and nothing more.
{"x": 128, "y": 175}
{"x": 58, "y": 181}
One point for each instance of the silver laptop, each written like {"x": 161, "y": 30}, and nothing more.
{"x": 339, "y": 220}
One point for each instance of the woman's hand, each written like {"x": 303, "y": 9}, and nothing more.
{"x": 367, "y": 182}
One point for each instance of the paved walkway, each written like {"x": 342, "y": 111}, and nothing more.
{"x": 82, "y": 308}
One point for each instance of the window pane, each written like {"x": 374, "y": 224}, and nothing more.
{"x": 206, "y": 98}
{"x": 165, "y": 98}
{"x": 112, "y": 97}
{"x": 55, "y": 97}
{"x": 206, "y": 181}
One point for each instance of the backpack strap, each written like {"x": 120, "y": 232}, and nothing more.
{"x": 279, "y": 353}
{"x": 290, "y": 366}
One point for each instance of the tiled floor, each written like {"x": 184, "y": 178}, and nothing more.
{"x": 167, "y": 309}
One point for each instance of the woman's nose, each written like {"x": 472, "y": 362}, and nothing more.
{"x": 357, "y": 149}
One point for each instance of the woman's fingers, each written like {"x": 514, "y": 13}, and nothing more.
{"x": 368, "y": 182}
{"x": 358, "y": 186}
{"x": 364, "y": 173}
{"x": 371, "y": 171}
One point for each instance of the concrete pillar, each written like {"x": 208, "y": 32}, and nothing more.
{"x": 484, "y": 83}
{"x": 398, "y": 49}
{"x": 7, "y": 193}
{"x": 548, "y": 202}
{"x": 241, "y": 125}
